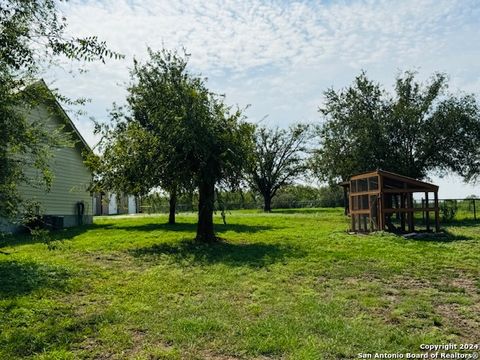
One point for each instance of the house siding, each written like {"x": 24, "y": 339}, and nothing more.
{"x": 71, "y": 178}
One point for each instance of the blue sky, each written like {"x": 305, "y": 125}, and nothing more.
{"x": 279, "y": 56}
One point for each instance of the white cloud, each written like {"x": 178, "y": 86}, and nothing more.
{"x": 279, "y": 56}
{"x": 243, "y": 35}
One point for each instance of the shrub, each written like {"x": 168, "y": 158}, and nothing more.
{"x": 448, "y": 210}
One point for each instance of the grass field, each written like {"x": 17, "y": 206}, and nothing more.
{"x": 286, "y": 285}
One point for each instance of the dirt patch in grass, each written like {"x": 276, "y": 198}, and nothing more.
{"x": 461, "y": 324}
{"x": 464, "y": 319}
{"x": 466, "y": 284}
{"x": 116, "y": 260}
{"x": 92, "y": 347}
{"x": 409, "y": 283}
{"x": 138, "y": 342}
{"x": 449, "y": 301}
{"x": 140, "y": 347}
{"x": 209, "y": 355}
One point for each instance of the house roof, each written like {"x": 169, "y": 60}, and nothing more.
{"x": 63, "y": 114}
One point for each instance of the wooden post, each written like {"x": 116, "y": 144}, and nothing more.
{"x": 402, "y": 213}
{"x": 409, "y": 220}
{"x": 397, "y": 204}
{"x": 411, "y": 227}
{"x": 427, "y": 214}
{"x": 370, "y": 227}
{"x": 346, "y": 200}
{"x": 370, "y": 217}
{"x": 381, "y": 205}
{"x": 413, "y": 212}
{"x": 423, "y": 213}
{"x": 437, "y": 221}
{"x": 474, "y": 209}
{"x": 350, "y": 206}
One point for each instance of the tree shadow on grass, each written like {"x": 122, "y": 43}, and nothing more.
{"x": 461, "y": 223}
{"x": 70, "y": 233}
{"x": 188, "y": 227}
{"x": 232, "y": 254}
{"x": 46, "y": 335}
{"x": 55, "y": 326}
{"x": 22, "y": 278}
{"x": 444, "y": 236}
{"x": 306, "y": 211}
{"x": 62, "y": 234}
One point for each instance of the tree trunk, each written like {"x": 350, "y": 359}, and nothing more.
{"x": 172, "y": 203}
{"x": 267, "y": 203}
{"x": 242, "y": 199}
{"x": 206, "y": 192}
{"x": 190, "y": 201}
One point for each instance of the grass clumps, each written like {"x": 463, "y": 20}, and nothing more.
{"x": 288, "y": 284}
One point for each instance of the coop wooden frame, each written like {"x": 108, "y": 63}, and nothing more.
{"x": 372, "y": 199}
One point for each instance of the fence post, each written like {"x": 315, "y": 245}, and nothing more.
{"x": 423, "y": 212}
{"x": 474, "y": 209}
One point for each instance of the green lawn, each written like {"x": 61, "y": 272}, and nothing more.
{"x": 286, "y": 285}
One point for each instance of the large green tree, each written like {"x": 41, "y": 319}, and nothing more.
{"x": 278, "y": 158}
{"x": 174, "y": 134}
{"x": 420, "y": 129}
{"x": 32, "y": 37}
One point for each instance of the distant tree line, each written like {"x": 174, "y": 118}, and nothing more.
{"x": 289, "y": 196}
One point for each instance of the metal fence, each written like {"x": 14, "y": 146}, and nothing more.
{"x": 164, "y": 208}
{"x": 450, "y": 209}
{"x": 453, "y": 210}
{"x": 459, "y": 209}
{"x": 290, "y": 204}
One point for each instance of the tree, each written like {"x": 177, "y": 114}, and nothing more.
{"x": 32, "y": 36}
{"x": 278, "y": 157}
{"x": 419, "y": 130}
{"x": 175, "y": 134}
{"x": 351, "y": 136}
{"x": 297, "y": 195}
{"x": 138, "y": 150}
{"x": 431, "y": 130}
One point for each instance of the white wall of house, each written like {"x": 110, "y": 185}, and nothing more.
{"x": 132, "y": 205}
{"x": 112, "y": 205}
{"x": 71, "y": 176}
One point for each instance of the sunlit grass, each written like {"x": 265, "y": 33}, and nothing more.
{"x": 291, "y": 284}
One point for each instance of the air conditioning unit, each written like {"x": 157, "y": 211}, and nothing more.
{"x": 53, "y": 222}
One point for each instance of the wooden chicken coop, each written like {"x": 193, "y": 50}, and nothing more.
{"x": 381, "y": 200}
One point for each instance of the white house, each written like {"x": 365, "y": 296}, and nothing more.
{"x": 113, "y": 204}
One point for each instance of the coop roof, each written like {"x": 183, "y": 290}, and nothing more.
{"x": 396, "y": 181}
